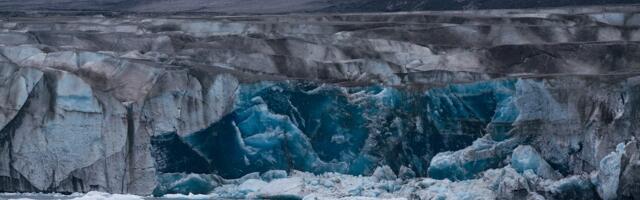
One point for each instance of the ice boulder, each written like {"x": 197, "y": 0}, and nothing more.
{"x": 384, "y": 173}
{"x": 573, "y": 187}
{"x": 273, "y": 174}
{"x": 525, "y": 157}
{"x": 250, "y": 185}
{"x": 466, "y": 163}
{"x": 630, "y": 177}
{"x": 607, "y": 177}
{"x": 95, "y": 195}
{"x": 406, "y": 173}
{"x": 180, "y": 183}
{"x": 287, "y": 188}
{"x": 445, "y": 189}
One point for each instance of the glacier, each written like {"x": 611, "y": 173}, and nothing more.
{"x": 495, "y": 104}
{"x": 325, "y": 128}
{"x": 274, "y": 117}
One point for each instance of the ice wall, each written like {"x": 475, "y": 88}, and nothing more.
{"x": 320, "y": 128}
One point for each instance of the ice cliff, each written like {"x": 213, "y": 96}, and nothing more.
{"x": 492, "y": 105}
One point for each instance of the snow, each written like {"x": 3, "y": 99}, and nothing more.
{"x": 190, "y": 196}
{"x": 502, "y": 183}
{"x": 93, "y": 195}
{"x": 302, "y": 185}
{"x": 106, "y": 196}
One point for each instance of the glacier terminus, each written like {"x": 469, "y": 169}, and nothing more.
{"x": 462, "y": 104}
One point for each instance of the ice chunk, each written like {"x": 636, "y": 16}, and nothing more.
{"x": 573, "y": 187}
{"x": 406, "y": 173}
{"x": 171, "y": 183}
{"x": 273, "y": 174}
{"x": 506, "y": 182}
{"x": 94, "y": 195}
{"x": 251, "y": 185}
{"x": 384, "y": 173}
{"x": 525, "y": 157}
{"x": 191, "y": 196}
{"x": 464, "y": 164}
{"x": 455, "y": 190}
{"x": 608, "y": 174}
{"x": 288, "y": 188}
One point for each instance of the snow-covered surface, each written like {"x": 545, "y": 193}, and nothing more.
{"x": 504, "y": 183}
{"x": 106, "y": 196}
{"x": 75, "y": 196}
{"x": 384, "y": 184}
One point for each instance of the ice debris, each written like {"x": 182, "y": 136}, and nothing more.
{"x": 525, "y": 157}
{"x": 466, "y": 163}
{"x": 607, "y": 177}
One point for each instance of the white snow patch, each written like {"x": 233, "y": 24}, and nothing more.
{"x": 93, "y": 195}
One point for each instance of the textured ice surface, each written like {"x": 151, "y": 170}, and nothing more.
{"x": 526, "y": 157}
{"x": 169, "y": 183}
{"x": 607, "y": 177}
{"x": 94, "y": 195}
{"x": 572, "y": 187}
{"x": 107, "y": 196}
{"x": 466, "y": 163}
{"x": 504, "y": 183}
{"x": 177, "y": 103}
{"x": 326, "y": 128}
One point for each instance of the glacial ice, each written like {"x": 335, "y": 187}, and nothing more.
{"x": 384, "y": 173}
{"x": 94, "y": 195}
{"x": 371, "y": 110}
{"x": 273, "y": 174}
{"x": 572, "y": 187}
{"x": 325, "y": 128}
{"x": 406, "y": 173}
{"x": 180, "y": 183}
{"x": 492, "y": 184}
{"x": 525, "y": 157}
{"x": 336, "y": 134}
{"x": 466, "y": 163}
{"x": 607, "y": 177}
{"x": 73, "y": 94}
